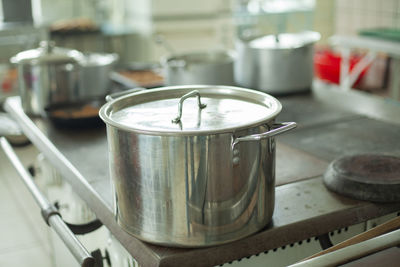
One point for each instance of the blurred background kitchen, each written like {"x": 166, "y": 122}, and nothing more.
{"x": 132, "y": 30}
{"x": 143, "y": 32}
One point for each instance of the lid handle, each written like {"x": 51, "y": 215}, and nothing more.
{"x": 183, "y": 98}
{"x": 47, "y": 46}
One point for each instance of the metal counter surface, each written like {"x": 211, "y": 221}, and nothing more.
{"x": 304, "y": 207}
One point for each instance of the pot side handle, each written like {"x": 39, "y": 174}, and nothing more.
{"x": 278, "y": 128}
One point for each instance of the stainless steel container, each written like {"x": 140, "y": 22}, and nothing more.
{"x": 95, "y": 74}
{"x": 47, "y": 75}
{"x": 207, "y": 68}
{"x": 51, "y": 75}
{"x": 193, "y": 165}
{"x": 276, "y": 64}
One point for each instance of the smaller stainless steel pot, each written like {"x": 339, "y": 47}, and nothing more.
{"x": 208, "y": 68}
{"x": 276, "y": 64}
{"x": 47, "y": 75}
{"x": 95, "y": 71}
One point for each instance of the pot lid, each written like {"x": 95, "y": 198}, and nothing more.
{"x": 285, "y": 40}
{"x": 47, "y": 52}
{"x": 98, "y": 59}
{"x": 204, "y": 110}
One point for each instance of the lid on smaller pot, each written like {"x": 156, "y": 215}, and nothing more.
{"x": 191, "y": 110}
{"x": 98, "y": 59}
{"x": 285, "y": 40}
{"x": 47, "y": 52}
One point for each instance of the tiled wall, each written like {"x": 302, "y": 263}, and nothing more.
{"x": 324, "y": 19}
{"x": 353, "y": 15}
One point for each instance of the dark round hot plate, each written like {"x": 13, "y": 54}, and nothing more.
{"x": 83, "y": 114}
{"x": 367, "y": 177}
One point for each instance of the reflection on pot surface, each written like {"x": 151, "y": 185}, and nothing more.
{"x": 192, "y": 186}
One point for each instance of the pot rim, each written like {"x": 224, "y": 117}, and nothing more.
{"x": 47, "y": 53}
{"x": 261, "y": 97}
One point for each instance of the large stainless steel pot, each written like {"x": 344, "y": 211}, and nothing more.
{"x": 47, "y": 75}
{"x": 203, "y": 177}
{"x": 276, "y": 64}
{"x": 207, "y": 68}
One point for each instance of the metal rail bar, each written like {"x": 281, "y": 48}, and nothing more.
{"x": 51, "y": 216}
{"x": 81, "y": 186}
